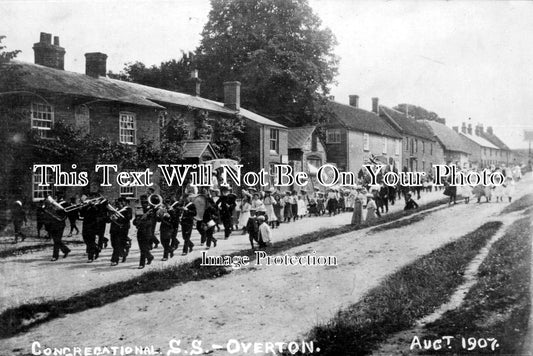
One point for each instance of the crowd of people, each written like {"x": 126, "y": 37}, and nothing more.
{"x": 206, "y": 209}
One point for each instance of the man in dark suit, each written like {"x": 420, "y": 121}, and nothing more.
{"x": 226, "y": 204}
{"x": 119, "y": 229}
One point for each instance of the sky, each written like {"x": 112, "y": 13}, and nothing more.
{"x": 460, "y": 59}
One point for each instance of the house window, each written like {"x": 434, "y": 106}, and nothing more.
{"x": 366, "y": 142}
{"x": 397, "y": 149}
{"x": 423, "y": 165}
{"x": 333, "y": 136}
{"x": 274, "y": 140}
{"x": 42, "y": 118}
{"x": 423, "y": 147}
{"x": 416, "y": 146}
{"x": 431, "y": 149}
{"x": 384, "y": 145}
{"x": 40, "y": 193}
{"x": 406, "y": 140}
{"x": 127, "y": 133}
{"x": 128, "y": 192}
{"x": 412, "y": 146}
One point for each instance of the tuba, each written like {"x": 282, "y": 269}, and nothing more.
{"x": 54, "y": 209}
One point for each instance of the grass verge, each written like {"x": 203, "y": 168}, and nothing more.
{"x": 404, "y": 297}
{"x": 498, "y": 305}
{"x": 520, "y": 204}
{"x": 21, "y": 318}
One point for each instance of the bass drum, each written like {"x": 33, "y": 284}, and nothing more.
{"x": 200, "y": 202}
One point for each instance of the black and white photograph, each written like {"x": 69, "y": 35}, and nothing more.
{"x": 266, "y": 177}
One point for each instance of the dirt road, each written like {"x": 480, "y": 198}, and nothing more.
{"x": 263, "y": 303}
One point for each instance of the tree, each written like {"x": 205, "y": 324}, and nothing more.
{"x": 276, "y": 49}
{"x": 170, "y": 75}
{"x": 418, "y": 112}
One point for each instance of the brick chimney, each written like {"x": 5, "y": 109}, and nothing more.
{"x": 48, "y": 54}
{"x": 469, "y": 129}
{"x": 96, "y": 64}
{"x": 463, "y": 128}
{"x": 193, "y": 83}
{"x": 375, "y": 105}
{"x": 456, "y": 128}
{"x": 232, "y": 95}
{"x": 489, "y": 130}
{"x": 354, "y": 100}
{"x": 479, "y": 129}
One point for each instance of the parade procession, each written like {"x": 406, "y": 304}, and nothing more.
{"x": 266, "y": 177}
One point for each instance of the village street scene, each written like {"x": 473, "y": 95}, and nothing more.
{"x": 379, "y": 195}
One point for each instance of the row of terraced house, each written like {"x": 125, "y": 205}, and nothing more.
{"x": 126, "y": 112}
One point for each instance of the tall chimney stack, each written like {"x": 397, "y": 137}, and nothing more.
{"x": 232, "y": 95}
{"x": 463, "y": 128}
{"x": 375, "y": 105}
{"x": 489, "y": 130}
{"x": 96, "y": 64}
{"x": 479, "y": 129}
{"x": 194, "y": 83}
{"x": 48, "y": 54}
{"x": 354, "y": 100}
{"x": 469, "y": 129}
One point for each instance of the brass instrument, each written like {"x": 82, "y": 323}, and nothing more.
{"x": 58, "y": 212}
{"x": 116, "y": 215}
{"x": 54, "y": 209}
{"x": 94, "y": 201}
{"x": 155, "y": 201}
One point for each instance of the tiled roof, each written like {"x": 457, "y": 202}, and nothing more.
{"x": 407, "y": 125}
{"x": 258, "y": 118}
{"x": 479, "y": 140}
{"x": 450, "y": 139}
{"x": 163, "y": 97}
{"x": 298, "y": 136}
{"x": 361, "y": 120}
{"x": 196, "y": 148}
{"x": 38, "y": 77}
{"x": 495, "y": 140}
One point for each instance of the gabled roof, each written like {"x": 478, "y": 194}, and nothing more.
{"x": 450, "y": 140}
{"x": 37, "y": 77}
{"x": 495, "y": 140}
{"x": 298, "y": 136}
{"x": 406, "y": 124}
{"x": 258, "y": 118}
{"x": 163, "y": 97}
{"x": 361, "y": 120}
{"x": 479, "y": 140}
{"x": 196, "y": 148}
{"x": 42, "y": 78}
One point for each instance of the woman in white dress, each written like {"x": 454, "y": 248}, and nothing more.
{"x": 268, "y": 201}
{"x": 245, "y": 213}
{"x": 302, "y": 206}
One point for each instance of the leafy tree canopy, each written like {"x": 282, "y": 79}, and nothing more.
{"x": 170, "y": 75}
{"x": 418, "y": 112}
{"x": 276, "y": 49}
